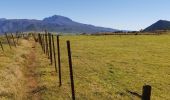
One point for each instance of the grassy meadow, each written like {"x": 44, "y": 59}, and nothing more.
{"x": 105, "y": 67}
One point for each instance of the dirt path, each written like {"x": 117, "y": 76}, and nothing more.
{"x": 31, "y": 79}
{"x": 18, "y": 72}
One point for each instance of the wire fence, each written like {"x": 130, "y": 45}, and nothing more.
{"x": 50, "y": 45}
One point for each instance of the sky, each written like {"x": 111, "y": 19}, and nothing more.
{"x": 118, "y": 14}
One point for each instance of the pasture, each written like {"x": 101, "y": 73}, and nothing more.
{"x": 111, "y": 67}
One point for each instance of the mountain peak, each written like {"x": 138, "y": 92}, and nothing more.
{"x": 56, "y": 18}
{"x": 55, "y": 23}
{"x": 159, "y": 25}
{"x": 160, "y": 21}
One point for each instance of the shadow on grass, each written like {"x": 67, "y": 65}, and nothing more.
{"x": 134, "y": 93}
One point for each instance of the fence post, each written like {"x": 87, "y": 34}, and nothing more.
{"x": 8, "y": 40}
{"x": 40, "y": 41}
{"x": 13, "y": 40}
{"x": 46, "y": 42}
{"x": 1, "y": 46}
{"x": 59, "y": 61}
{"x": 18, "y": 36}
{"x": 33, "y": 34}
{"x": 71, "y": 70}
{"x": 54, "y": 53}
{"x": 146, "y": 92}
{"x": 50, "y": 46}
{"x": 43, "y": 42}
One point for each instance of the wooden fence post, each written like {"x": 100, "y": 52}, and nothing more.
{"x": 71, "y": 70}
{"x": 46, "y": 43}
{"x": 54, "y": 53}
{"x": 50, "y": 46}
{"x": 8, "y": 40}
{"x": 33, "y": 37}
{"x": 59, "y": 61}
{"x": 1, "y": 46}
{"x": 13, "y": 40}
{"x": 43, "y": 42}
{"x": 18, "y": 36}
{"x": 39, "y": 39}
{"x": 146, "y": 95}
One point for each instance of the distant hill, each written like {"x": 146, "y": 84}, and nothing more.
{"x": 159, "y": 25}
{"x": 54, "y": 23}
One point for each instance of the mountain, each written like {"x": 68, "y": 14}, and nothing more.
{"x": 159, "y": 25}
{"x": 54, "y": 23}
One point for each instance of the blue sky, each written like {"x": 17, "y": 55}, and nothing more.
{"x": 119, "y": 14}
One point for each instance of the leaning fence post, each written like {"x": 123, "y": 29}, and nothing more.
{"x": 71, "y": 70}
{"x": 1, "y": 46}
{"x": 8, "y": 40}
{"x": 59, "y": 61}
{"x": 146, "y": 95}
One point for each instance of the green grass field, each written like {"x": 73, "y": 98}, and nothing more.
{"x": 106, "y": 67}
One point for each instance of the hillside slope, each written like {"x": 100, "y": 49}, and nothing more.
{"x": 54, "y": 23}
{"x": 159, "y": 25}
